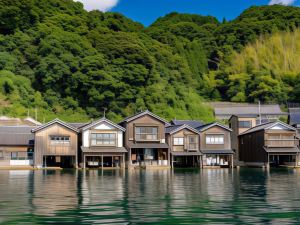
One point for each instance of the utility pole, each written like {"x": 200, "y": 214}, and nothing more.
{"x": 259, "y": 111}
{"x": 36, "y": 114}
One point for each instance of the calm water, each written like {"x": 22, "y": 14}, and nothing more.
{"x": 154, "y": 197}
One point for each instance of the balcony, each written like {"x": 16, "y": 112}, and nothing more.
{"x": 281, "y": 143}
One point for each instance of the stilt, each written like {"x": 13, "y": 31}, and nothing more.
{"x": 84, "y": 162}
{"x": 231, "y": 161}
{"x": 172, "y": 161}
{"x": 102, "y": 162}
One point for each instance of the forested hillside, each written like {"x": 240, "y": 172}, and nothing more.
{"x": 73, "y": 64}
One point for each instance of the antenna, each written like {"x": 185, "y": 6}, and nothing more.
{"x": 104, "y": 112}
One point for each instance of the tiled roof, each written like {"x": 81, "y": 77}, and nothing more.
{"x": 191, "y": 123}
{"x": 16, "y": 135}
{"x": 265, "y": 126}
{"x": 294, "y": 116}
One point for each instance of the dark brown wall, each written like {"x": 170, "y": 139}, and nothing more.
{"x": 251, "y": 147}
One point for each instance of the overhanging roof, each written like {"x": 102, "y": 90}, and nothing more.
{"x": 186, "y": 153}
{"x": 147, "y": 112}
{"x": 282, "y": 150}
{"x": 55, "y": 121}
{"x": 149, "y": 145}
{"x": 103, "y": 150}
{"x": 95, "y": 123}
{"x": 218, "y": 151}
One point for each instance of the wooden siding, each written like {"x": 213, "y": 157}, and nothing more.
{"x": 145, "y": 120}
{"x": 280, "y": 138}
{"x": 43, "y": 146}
{"x": 215, "y": 130}
{"x": 184, "y": 133}
{"x": 251, "y": 147}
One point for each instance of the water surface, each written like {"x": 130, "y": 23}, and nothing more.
{"x": 217, "y": 196}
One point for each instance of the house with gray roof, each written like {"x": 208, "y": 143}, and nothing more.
{"x": 16, "y": 145}
{"x": 269, "y": 144}
{"x": 294, "y": 119}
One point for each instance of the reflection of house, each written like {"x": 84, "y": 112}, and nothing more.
{"x": 16, "y": 145}
{"x": 184, "y": 145}
{"x": 102, "y": 144}
{"x": 55, "y": 144}
{"x": 215, "y": 144}
{"x": 272, "y": 143}
{"x": 145, "y": 140}
{"x": 224, "y": 110}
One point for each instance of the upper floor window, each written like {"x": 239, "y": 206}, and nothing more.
{"x": 103, "y": 139}
{"x": 56, "y": 140}
{"x": 215, "y": 139}
{"x": 192, "y": 142}
{"x": 178, "y": 141}
{"x": 146, "y": 133}
{"x": 245, "y": 124}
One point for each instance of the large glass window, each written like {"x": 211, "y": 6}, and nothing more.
{"x": 178, "y": 141}
{"x": 245, "y": 124}
{"x": 146, "y": 133}
{"x": 215, "y": 139}
{"x": 103, "y": 139}
{"x": 56, "y": 140}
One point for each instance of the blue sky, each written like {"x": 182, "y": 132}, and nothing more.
{"x": 147, "y": 11}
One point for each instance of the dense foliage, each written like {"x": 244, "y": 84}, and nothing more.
{"x": 66, "y": 62}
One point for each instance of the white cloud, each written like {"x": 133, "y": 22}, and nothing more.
{"x": 282, "y": 2}
{"x": 102, "y": 5}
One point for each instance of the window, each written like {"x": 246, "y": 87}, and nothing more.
{"x": 14, "y": 155}
{"x": 103, "y": 139}
{"x": 146, "y": 133}
{"x": 215, "y": 139}
{"x": 178, "y": 141}
{"x": 245, "y": 124}
{"x": 192, "y": 142}
{"x": 1, "y": 154}
{"x": 59, "y": 140}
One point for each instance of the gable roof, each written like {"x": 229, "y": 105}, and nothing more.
{"x": 191, "y": 123}
{"x": 266, "y": 126}
{"x": 176, "y": 128}
{"x": 209, "y": 125}
{"x": 88, "y": 126}
{"x": 294, "y": 116}
{"x": 146, "y": 112}
{"x": 58, "y": 121}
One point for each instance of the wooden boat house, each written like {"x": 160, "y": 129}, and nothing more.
{"x": 269, "y": 144}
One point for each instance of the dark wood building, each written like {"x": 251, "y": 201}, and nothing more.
{"x": 184, "y": 142}
{"x": 272, "y": 143}
{"x": 102, "y": 145}
{"x": 145, "y": 140}
{"x": 215, "y": 144}
{"x": 56, "y": 145}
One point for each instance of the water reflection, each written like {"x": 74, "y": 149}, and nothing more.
{"x": 152, "y": 196}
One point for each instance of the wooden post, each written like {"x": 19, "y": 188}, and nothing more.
{"x": 83, "y": 161}
{"x": 123, "y": 159}
{"x": 172, "y": 161}
{"x": 102, "y": 162}
{"x": 231, "y": 161}
{"x": 296, "y": 160}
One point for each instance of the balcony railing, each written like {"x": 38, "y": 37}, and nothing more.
{"x": 282, "y": 142}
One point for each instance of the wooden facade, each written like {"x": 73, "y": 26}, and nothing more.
{"x": 220, "y": 153}
{"x": 271, "y": 143}
{"x": 102, "y": 151}
{"x": 184, "y": 143}
{"x": 57, "y": 151}
{"x": 146, "y": 148}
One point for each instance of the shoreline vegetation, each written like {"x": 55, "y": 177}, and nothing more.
{"x": 69, "y": 63}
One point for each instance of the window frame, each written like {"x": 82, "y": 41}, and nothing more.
{"x": 243, "y": 122}
{"x": 215, "y": 142}
{"x": 104, "y": 141}
{"x": 145, "y": 133}
{"x": 178, "y": 142}
{"x": 60, "y": 140}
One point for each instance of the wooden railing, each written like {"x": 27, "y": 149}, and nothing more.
{"x": 282, "y": 142}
